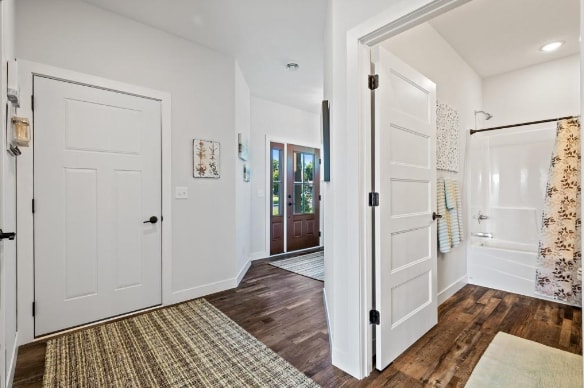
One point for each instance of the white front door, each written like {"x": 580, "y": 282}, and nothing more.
{"x": 97, "y": 181}
{"x": 405, "y": 233}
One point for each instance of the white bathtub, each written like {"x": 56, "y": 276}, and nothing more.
{"x": 504, "y": 265}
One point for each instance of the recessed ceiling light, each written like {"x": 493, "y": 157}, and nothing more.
{"x": 292, "y": 66}
{"x": 552, "y": 46}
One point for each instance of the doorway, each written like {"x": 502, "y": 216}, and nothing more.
{"x": 468, "y": 102}
{"x": 294, "y": 202}
{"x": 97, "y": 204}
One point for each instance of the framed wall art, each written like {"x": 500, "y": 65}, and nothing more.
{"x": 206, "y": 157}
{"x": 242, "y": 146}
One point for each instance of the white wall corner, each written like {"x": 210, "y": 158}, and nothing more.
{"x": 328, "y": 320}
{"x": 12, "y": 364}
{"x": 452, "y": 289}
{"x": 242, "y": 272}
{"x": 346, "y": 362}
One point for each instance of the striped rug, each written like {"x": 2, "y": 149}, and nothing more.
{"x": 188, "y": 345}
{"x": 310, "y": 265}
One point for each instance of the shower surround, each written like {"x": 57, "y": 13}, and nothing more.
{"x": 508, "y": 174}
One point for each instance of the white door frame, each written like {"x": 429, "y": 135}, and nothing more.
{"x": 25, "y": 180}
{"x": 360, "y": 40}
{"x": 268, "y": 200}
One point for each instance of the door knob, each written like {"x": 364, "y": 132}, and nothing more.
{"x": 9, "y": 236}
{"x": 436, "y": 215}
{"x": 151, "y": 220}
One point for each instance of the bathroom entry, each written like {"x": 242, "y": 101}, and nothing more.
{"x": 294, "y": 197}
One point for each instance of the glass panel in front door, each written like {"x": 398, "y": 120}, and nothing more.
{"x": 276, "y": 182}
{"x": 303, "y": 183}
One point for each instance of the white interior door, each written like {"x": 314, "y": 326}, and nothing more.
{"x": 97, "y": 179}
{"x": 405, "y": 233}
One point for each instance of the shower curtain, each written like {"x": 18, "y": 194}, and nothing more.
{"x": 559, "y": 256}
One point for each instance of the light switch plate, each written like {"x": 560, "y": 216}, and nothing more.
{"x": 181, "y": 192}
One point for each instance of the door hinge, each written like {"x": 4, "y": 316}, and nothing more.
{"x": 374, "y": 317}
{"x": 319, "y": 234}
{"x": 32, "y": 102}
{"x": 373, "y": 199}
{"x": 33, "y": 205}
{"x": 373, "y": 81}
{"x": 320, "y": 197}
{"x": 33, "y": 308}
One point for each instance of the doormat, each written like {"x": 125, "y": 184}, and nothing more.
{"x": 310, "y": 265}
{"x": 188, "y": 345}
{"x": 510, "y": 361}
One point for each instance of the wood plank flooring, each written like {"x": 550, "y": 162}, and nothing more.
{"x": 285, "y": 311}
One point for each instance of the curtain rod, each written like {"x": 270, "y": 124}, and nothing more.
{"x": 473, "y": 131}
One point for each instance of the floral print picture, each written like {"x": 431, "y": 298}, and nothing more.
{"x": 447, "y": 128}
{"x": 206, "y": 159}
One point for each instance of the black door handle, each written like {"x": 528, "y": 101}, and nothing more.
{"x": 151, "y": 220}
{"x": 9, "y": 236}
{"x": 436, "y": 215}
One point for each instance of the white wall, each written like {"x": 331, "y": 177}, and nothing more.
{"x": 80, "y": 37}
{"x": 242, "y": 189}
{"x": 7, "y": 210}
{"x": 459, "y": 86}
{"x": 539, "y": 92}
{"x": 281, "y": 123}
{"x": 344, "y": 197}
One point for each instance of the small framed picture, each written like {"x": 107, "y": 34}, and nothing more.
{"x": 246, "y": 173}
{"x": 242, "y": 146}
{"x": 206, "y": 157}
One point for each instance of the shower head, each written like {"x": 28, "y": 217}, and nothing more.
{"x": 488, "y": 116}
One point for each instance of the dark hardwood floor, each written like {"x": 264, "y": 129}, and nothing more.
{"x": 285, "y": 311}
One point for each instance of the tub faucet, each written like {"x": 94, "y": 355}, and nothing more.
{"x": 482, "y": 217}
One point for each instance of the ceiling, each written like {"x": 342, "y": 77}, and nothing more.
{"x": 263, "y": 35}
{"x": 493, "y": 36}
{"x": 497, "y": 36}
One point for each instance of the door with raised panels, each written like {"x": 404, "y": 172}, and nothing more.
{"x": 97, "y": 200}
{"x": 405, "y": 233}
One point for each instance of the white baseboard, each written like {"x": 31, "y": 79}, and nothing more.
{"x": 12, "y": 365}
{"x": 199, "y": 291}
{"x": 259, "y": 255}
{"x": 452, "y": 289}
{"x": 328, "y": 319}
{"x": 242, "y": 272}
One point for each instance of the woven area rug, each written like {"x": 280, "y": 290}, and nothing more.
{"x": 310, "y": 265}
{"x": 510, "y": 361}
{"x": 189, "y": 345}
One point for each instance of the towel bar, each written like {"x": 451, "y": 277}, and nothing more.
{"x": 483, "y": 235}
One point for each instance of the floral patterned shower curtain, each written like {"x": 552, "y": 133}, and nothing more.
{"x": 559, "y": 256}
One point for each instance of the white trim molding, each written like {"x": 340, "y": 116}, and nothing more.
{"x": 25, "y": 180}
{"x": 452, "y": 289}
{"x": 397, "y": 18}
{"x": 242, "y": 272}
